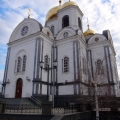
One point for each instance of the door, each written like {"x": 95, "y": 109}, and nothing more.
{"x": 18, "y": 93}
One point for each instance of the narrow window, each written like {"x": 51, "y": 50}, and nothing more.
{"x": 15, "y": 66}
{"x": 46, "y": 62}
{"x": 65, "y": 21}
{"x": 19, "y": 64}
{"x": 52, "y": 29}
{"x": 79, "y": 23}
{"x": 66, "y": 64}
{"x": 24, "y": 63}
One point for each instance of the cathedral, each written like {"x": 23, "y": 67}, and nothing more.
{"x": 59, "y": 61}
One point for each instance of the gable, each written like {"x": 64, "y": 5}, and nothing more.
{"x": 25, "y": 28}
{"x": 66, "y": 32}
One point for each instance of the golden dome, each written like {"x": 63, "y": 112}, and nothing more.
{"x": 89, "y": 32}
{"x": 68, "y": 4}
{"x": 52, "y": 13}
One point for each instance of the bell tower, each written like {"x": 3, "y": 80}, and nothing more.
{"x": 66, "y": 15}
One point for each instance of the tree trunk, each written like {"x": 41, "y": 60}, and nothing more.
{"x": 96, "y": 102}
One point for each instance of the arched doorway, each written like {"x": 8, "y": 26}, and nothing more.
{"x": 18, "y": 93}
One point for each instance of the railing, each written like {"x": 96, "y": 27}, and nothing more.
{"x": 62, "y": 110}
{"x": 103, "y": 109}
{"x": 36, "y": 101}
{"x": 22, "y": 108}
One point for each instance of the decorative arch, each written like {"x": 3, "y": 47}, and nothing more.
{"x": 47, "y": 30}
{"x": 99, "y": 37}
{"x": 65, "y": 21}
{"x": 33, "y": 27}
{"x": 18, "y": 92}
{"x": 69, "y": 30}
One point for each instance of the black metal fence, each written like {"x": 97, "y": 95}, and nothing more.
{"x": 22, "y": 108}
{"x": 24, "y": 117}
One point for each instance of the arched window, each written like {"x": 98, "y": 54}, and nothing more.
{"x": 24, "y": 63}
{"x": 66, "y": 65}
{"x": 46, "y": 62}
{"x": 79, "y": 23}
{"x": 65, "y": 21}
{"x": 19, "y": 64}
{"x": 52, "y": 29}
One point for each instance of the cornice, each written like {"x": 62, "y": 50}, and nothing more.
{"x": 38, "y": 34}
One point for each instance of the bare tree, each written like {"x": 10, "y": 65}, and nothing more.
{"x": 94, "y": 81}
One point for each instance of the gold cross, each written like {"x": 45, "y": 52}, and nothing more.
{"x": 29, "y": 11}
{"x": 88, "y": 23}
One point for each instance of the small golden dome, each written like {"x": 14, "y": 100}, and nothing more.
{"x": 52, "y": 13}
{"x": 89, "y": 32}
{"x": 68, "y": 4}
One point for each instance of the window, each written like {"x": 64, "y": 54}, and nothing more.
{"x": 79, "y": 23}
{"x": 24, "y": 63}
{"x": 52, "y": 29}
{"x": 66, "y": 65}
{"x": 65, "y": 21}
{"x": 46, "y": 62}
{"x": 19, "y": 64}
{"x": 100, "y": 69}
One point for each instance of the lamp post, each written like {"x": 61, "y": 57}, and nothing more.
{"x": 48, "y": 68}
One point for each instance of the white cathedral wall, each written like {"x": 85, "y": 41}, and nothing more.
{"x": 16, "y": 49}
{"x": 63, "y": 51}
{"x": 114, "y": 71}
{"x": 66, "y": 90}
{"x": 46, "y": 51}
{"x": 82, "y": 55}
{"x": 97, "y": 51}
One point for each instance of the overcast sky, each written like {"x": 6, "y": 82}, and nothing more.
{"x": 102, "y": 14}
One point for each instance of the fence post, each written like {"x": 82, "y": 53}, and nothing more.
{"x": 2, "y": 107}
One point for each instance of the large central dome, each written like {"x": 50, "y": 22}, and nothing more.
{"x": 69, "y": 4}
{"x": 52, "y": 13}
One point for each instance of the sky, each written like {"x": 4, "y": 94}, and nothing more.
{"x": 102, "y": 15}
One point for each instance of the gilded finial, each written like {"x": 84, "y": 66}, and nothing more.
{"x": 29, "y": 11}
{"x": 88, "y": 23}
{"x": 60, "y": 2}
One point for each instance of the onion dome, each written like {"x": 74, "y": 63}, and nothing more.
{"x": 69, "y": 3}
{"x": 52, "y": 13}
{"x": 89, "y": 32}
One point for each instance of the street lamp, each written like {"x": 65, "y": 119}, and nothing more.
{"x": 48, "y": 68}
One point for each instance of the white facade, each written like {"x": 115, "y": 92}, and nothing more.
{"x": 68, "y": 47}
